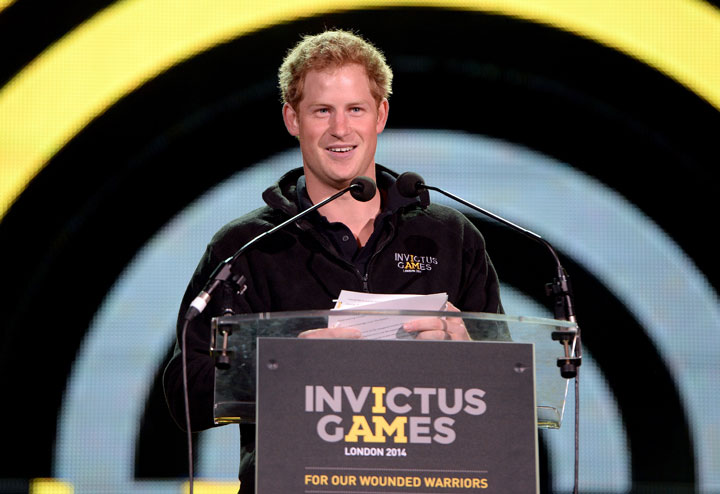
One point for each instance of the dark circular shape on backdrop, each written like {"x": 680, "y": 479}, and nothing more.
{"x": 110, "y": 189}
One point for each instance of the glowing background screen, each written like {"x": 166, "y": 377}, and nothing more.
{"x": 131, "y": 131}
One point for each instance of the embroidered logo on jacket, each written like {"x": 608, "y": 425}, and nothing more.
{"x": 411, "y": 263}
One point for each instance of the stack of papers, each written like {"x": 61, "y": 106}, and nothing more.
{"x": 382, "y": 327}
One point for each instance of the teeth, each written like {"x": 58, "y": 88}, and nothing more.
{"x": 340, "y": 150}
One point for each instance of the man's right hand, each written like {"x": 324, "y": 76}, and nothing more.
{"x": 346, "y": 333}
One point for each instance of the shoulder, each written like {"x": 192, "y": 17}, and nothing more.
{"x": 444, "y": 216}
{"x": 442, "y": 221}
{"x": 446, "y": 213}
{"x": 239, "y": 231}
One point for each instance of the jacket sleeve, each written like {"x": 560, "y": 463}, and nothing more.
{"x": 200, "y": 364}
{"x": 481, "y": 288}
{"x": 481, "y": 291}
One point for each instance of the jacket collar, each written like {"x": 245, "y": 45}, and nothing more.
{"x": 283, "y": 195}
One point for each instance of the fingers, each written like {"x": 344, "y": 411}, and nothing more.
{"x": 346, "y": 333}
{"x": 432, "y": 335}
{"x": 439, "y": 328}
{"x": 435, "y": 328}
{"x": 427, "y": 324}
{"x": 456, "y": 326}
{"x": 449, "y": 307}
{"x": 431, "y": 328}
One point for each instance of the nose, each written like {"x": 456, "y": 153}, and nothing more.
{"x": 339, "y": 125}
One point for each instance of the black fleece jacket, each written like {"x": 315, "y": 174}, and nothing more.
{"x": 417, "y": 248}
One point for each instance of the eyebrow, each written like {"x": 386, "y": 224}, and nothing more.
{"x": 351, "y": 104}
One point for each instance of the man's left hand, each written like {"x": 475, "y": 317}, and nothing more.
{"x": 439, "y": 328}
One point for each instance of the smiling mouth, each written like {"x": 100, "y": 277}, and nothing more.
{"x": 344, "y": 149}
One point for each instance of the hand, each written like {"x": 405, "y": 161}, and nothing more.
{"x": 346, "y": 333}
{"x": 439, "y": 328}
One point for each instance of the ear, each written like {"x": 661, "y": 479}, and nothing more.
{"x": 290, "y": 117}
{"x": 383, "y": 110}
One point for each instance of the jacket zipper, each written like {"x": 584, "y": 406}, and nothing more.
{"x": 327, "y": 246}
{"x": 364, "y": 278}
{"x": 365, "y": 283}
{"x": 384, "y": 242}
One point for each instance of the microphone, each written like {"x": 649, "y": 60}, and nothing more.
{"x": 361, "y": 189}
{"x": 411, "y": 184}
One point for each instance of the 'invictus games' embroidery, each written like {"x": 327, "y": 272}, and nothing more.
{"x": 411, "y": 263}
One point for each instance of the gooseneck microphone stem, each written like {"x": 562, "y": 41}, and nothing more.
{"x": 560, "y": 288}
{"x": 502, "y": 220}
{"x": 410, "y": 184}
{"x": 362, "y": 189}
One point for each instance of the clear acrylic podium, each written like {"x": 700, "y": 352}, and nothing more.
{"x": 234, "y": 344}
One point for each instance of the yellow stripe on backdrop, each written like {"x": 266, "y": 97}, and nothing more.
{"x": 132, "y": 41}
{"x": 57, "y": 486}
{"x": 50, "y": 486}
{"x": 5, "y": 4}
{"x": 210, "y": 487}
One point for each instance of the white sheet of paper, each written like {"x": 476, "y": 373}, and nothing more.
{"x": 379, "y": 327}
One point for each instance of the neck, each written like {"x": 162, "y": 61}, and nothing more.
{"x": 358, "y": 216}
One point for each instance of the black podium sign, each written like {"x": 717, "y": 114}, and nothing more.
{"x": 416, "y": 417}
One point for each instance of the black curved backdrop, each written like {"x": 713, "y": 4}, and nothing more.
{"x": 112, "y": 187}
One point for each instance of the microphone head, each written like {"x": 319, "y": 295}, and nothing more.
{"x": 363, "y": 188}
{"x": 409, "y": 184}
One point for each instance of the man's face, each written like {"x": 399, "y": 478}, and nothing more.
{"x": 337, "y": 122}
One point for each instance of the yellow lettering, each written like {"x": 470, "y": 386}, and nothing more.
{"x": 397, "y": 427}
{"x": 379, "y": 392}
{"x": 316, "y": 480}
{"x": 360, "y": 427}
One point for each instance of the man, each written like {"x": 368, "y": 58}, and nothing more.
{"x": 335, "y": 89}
